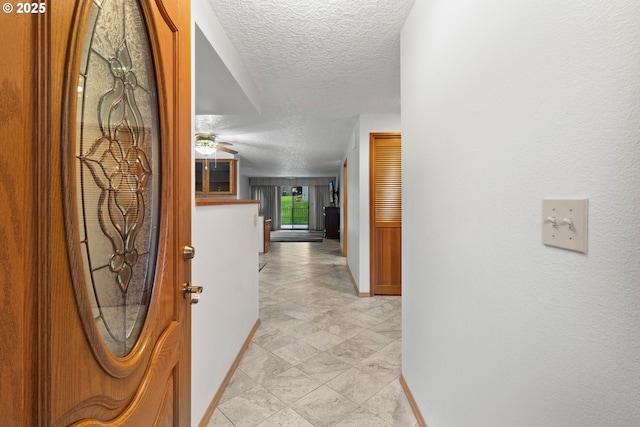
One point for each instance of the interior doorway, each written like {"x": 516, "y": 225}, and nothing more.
{"x": 345, "y": 209}
{"x": 294, "y": 208}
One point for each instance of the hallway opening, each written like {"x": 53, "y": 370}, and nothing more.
{"x": 321, "y": 356}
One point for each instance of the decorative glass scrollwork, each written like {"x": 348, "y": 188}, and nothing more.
{"x": 120, "y": 168}
{"x": 117, "y": 170}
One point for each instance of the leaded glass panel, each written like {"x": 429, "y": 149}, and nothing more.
{"x": 117, "y": 161}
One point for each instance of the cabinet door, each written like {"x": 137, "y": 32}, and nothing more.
{"x": 200, "y": 178}
{"x": 221, "y": 177}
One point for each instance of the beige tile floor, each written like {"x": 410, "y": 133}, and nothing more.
{"x": 321, "y": 356}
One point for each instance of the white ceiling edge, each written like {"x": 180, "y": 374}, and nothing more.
{"x": 225, "y": 54}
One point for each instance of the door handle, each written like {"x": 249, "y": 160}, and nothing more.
{"x": 188, "y": 252}
{"x": 192, "y": 292}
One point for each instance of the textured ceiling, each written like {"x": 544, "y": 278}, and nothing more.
{"x": 318, "y": 64}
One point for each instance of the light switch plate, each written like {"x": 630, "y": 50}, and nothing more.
{"x": 564, "y": 224}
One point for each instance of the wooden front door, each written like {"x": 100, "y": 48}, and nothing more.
{"x": 100, "y": 172}
{"x": 386, "y": 213}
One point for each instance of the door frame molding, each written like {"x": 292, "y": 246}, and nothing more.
{"x": 345, "y": 208}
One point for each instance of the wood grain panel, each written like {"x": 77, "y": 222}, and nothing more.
{"x": 388, "y": 260}
{"x": 166, "y": 414}
{"x": 156, "y": 386}
{"x": 18, "y": 190}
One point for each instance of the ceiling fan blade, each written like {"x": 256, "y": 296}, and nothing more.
{"x": 228, "y": 150}
{"x": 224, "y": 143}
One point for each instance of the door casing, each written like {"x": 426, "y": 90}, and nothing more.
{"x": 345, "y": 209}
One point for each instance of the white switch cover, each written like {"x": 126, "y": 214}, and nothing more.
{"x": 564, "y": 224}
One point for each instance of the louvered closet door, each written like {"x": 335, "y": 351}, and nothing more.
{"x": 386, "y": 214}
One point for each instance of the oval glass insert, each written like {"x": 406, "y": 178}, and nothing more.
{"x": 117, "y": 162}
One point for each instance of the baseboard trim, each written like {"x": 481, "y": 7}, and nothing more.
{"x": 355, "y": 285}
{"x": 412, "y": 402}
{"x": 216, "y": 399}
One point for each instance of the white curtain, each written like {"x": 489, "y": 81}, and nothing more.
{"x": 269, "y": 203}
{"x": 322, "y": 199}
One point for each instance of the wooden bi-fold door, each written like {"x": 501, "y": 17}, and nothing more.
{"x": 386, "y": 213}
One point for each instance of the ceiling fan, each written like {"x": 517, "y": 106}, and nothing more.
{"x": 206, "y": 144}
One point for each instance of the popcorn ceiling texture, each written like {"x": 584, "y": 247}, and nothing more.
{"x": 318, "y": 64}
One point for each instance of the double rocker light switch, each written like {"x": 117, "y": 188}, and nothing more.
{"x": 564, "y": 224}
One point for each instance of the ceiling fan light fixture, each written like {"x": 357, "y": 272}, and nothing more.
{"x": 206, "y": 143}
{"x": 205, "y": 150}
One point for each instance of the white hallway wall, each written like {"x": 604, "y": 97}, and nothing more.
{"x": 357, "y": 155}
{"x": 504, "y": 104}
{"x": 226, "y": 265}
{"x": 226, "y": 262}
